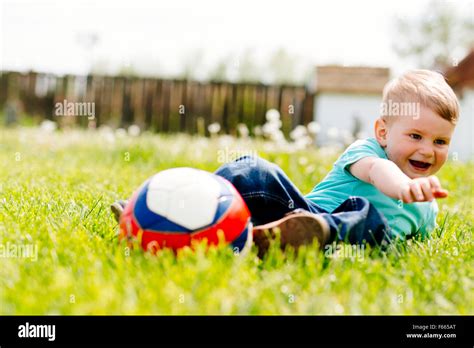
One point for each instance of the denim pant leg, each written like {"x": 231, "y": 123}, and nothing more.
{"x": 265, "y": 188}
{"x": 357, "y": 221}
{"x": 270, "y": 194}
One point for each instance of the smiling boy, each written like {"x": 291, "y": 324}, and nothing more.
{"x": 395, "y": 170}
{"x": 380, "y": 189}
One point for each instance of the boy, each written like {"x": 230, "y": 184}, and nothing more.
{"x": 379, "y": 189}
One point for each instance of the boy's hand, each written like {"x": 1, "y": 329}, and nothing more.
{"x": 422, "y": 190}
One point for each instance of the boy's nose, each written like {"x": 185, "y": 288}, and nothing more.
{"x": 426, "y": 151}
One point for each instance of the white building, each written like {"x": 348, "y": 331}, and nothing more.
{"x": 461, "y": 78}
{"x": 347, "y": 102}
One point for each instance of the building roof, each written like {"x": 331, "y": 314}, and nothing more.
{"x": 357, "y": 80}
{"x": 461, "y": 76}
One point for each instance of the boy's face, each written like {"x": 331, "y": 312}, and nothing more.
{"x": 418, "y": 146}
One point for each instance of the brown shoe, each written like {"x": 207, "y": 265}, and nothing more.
{"x": 117, "y": 209}
{"x": 297, "y": 228}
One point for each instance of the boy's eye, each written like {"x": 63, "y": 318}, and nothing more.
{"x": 415, "y": 136}
{"x": 440, "y": 142}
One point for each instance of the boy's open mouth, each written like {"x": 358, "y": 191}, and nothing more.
{"x": 420, "y": 165}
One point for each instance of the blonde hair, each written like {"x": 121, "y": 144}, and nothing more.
{"x": 426, "y": 87}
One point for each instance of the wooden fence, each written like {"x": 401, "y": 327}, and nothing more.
{"x": 159, "y": 105}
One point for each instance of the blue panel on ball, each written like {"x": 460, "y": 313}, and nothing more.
{"x": 222, "y": 208}
{"x": 149, "y": 220}
{"x": 239, "y": 243}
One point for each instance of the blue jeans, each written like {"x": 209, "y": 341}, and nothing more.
{"x": 270, "y": 195}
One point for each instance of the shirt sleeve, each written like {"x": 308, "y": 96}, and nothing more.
{"x": 358, "y": 150}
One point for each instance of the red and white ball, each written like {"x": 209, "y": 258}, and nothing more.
{"x": 177, "y": 206}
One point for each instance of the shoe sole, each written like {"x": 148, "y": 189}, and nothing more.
{"x": 295, "y": 230}
{"x": 117, "y": 210}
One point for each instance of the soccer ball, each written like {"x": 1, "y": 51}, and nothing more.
{"x": 178, "y": 206}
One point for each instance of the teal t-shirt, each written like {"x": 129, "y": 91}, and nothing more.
{"x": 405, "y": 220}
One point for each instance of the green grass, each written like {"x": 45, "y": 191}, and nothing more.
{"x": 55, "y": 191}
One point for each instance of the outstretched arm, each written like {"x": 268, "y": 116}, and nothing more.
{"x": 390, "y": 180}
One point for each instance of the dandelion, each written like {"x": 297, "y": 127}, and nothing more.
{"x": 225, "y": 140}
{"x": 257, "y": 130}
{"x": 110, "y": 138}
{"x": 298, "y": 132}
{"x": 272, "y": 115}
{"x": 278, "y": 137}
{"x": 303, "y": 142}
{"x": 243, "y": 130}
{"x": 310, "y": 169}
{"x": 214, "y": 128}
{"x": 48, "y": 126}
{"x": 120, "y": 132}
{"x": 270, "y": 128}
{"x": 134, "y": 130}
{"x": 303, "y": 161}
{"x": 107, "y": 133}
{"x": 314, "y": 127}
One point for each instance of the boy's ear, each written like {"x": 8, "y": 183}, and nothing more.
{"x": 381, "y": 131}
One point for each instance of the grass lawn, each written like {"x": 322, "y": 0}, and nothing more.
{"x": 55, "y": 192}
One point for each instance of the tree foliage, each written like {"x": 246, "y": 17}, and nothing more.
{"x": 438, "y": 38}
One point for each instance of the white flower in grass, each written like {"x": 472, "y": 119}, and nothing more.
{"x": 120, "y": 133}
{"x": 272, "y": 115}
{"x": 270, "y": 128}
{"x": 106, "y": 133}
{"x": 104, "y": 128}
{"x": 298, "y": 132}
{"x": 302, "y": 161}
{"x": 226, "y": 140}
{"x": 278, "y": 137}
{"x": 243, "y": 130}
{"x": 134, "y": 130}
{"x": 202, "y": 143}
{"x": 303, "y": 142}
{"x": 314, "y": 127}
{"x": 214, "y": 128}
{"x": 310, "y": 169}
{"x": 257, "y": 130}
{"x": 48, "y": 126}
{"x": 110, "y": 137}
